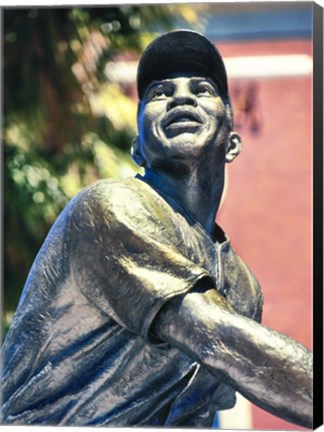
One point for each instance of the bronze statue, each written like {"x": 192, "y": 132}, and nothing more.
{"x": 137, "y": 311}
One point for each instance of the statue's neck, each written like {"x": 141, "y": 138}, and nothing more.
{"x": 198, "y": 191}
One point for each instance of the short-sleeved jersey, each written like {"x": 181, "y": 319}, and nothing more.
{"x": 80, "y": 350}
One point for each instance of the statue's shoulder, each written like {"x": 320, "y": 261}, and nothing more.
{"x": 131, "y": 193}
{"x": 108, "y": 190}
{"x": 113, "y": 198}
{"x": 105, "y": 186}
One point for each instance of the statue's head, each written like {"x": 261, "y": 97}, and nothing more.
{"x": 184, "y": 107}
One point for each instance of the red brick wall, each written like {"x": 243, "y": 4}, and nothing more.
{"x": 267, "y": 211}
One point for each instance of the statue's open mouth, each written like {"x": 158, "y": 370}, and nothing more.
{"x": 182, "y": 118}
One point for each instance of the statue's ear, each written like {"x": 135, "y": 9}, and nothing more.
{"x": 234, "y": 146}
{"x": 137, "y": 155}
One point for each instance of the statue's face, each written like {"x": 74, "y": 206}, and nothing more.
{"x": 179, "y": 117}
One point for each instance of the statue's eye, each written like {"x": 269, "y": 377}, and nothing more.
{"x": 205, "y": 89}
{"x": 158, "y": 94}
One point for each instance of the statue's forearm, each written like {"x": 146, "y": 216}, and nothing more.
{"x": 270, "y": 369}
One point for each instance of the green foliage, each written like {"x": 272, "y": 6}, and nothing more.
{"x": 65, "y": 125}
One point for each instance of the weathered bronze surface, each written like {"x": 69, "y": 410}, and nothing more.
{"x": 137, "y": 311}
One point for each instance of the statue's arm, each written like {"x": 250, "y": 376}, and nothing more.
{"x": 271, "y": 370}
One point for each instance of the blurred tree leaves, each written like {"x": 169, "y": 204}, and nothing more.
{"x": 64, "y": 123}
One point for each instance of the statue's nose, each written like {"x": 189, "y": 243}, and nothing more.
{"x": 182, "y": 96}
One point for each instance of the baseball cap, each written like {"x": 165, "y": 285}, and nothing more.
{"x": 180, "y": 51}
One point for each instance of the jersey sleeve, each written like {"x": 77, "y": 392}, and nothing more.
{"x": 128, "y": 256}
{"x": 240, "y": 287}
